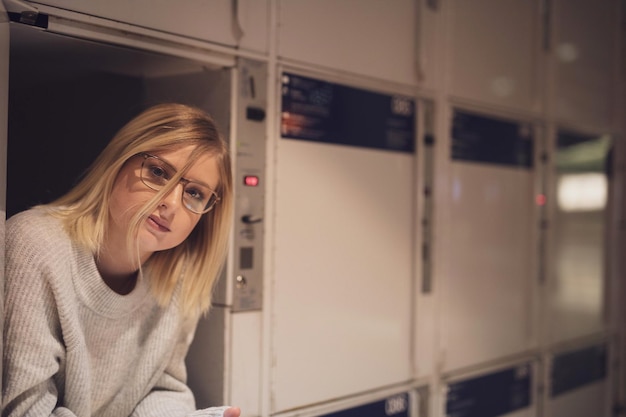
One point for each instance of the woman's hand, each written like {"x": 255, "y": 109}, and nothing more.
{"x": 232, "y": 412}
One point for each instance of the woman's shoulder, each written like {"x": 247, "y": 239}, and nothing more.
{"x": 35, "y": 227}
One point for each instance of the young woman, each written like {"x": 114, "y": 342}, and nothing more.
{"x": 104, "y": 287}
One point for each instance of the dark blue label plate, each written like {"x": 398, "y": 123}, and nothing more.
{"x": 491, "y": 395}
{"x": 394, "y": 406}
{"x": 494, "y": 141}
{"x": 571, "y": 370}
{"x": 320, "y": 111}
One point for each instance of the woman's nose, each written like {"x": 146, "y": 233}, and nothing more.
{"x": 174, "y": 198}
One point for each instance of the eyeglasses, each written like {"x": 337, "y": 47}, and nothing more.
{"x": 156, "y": 173}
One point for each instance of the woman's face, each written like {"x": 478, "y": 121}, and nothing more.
{"x": 171, "y": 222}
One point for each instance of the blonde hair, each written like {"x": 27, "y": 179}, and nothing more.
{"x": 195, "y": 264}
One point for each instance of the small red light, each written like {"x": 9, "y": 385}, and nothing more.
{"x": 250, "y": 180}
{"x": 540, "y": 199}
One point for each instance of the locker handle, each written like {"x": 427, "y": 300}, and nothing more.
{"x": 235, "y": 24}
{"x": 251, "y": 219}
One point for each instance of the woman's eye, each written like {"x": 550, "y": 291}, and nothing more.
{"x": 158, "y": 172}
{"x": 195, "y": 193}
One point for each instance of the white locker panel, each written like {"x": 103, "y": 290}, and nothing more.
{"x": 214, "y": 21}
{"x": 372, "y": 37}
{"x": 343, "y": 241}
{"x": 577, "y": 288}
{"x": 245, "y": 359}
{"x": 494, "y": 51}
{"x": 487, "y": 299}
{"x": 584, "y": 55}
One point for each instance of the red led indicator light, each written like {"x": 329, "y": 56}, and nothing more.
{"x": 251, "y": 180}
{"x": 540, "y": 199}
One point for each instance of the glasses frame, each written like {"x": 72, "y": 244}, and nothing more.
{"x": 183, "y": 181}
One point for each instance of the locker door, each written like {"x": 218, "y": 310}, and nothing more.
{"x": 494, "y": 52}
{"x": 372, "y": 38}
{"x": 584, "y": 56}
{"x": 489, "y": 241}
{"x": 343, "y": 245}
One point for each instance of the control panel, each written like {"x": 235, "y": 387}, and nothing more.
{"x": 249, "y": 186}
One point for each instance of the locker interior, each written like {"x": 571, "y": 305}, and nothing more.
{"x": 68, "y": 97}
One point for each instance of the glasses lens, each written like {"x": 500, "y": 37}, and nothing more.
{"x": 199, "y": 198}
{"x": 156, "y": 173}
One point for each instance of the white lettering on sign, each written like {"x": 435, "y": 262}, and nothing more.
{"x": 395, "y": 405}
{"x": 401, "y": 106}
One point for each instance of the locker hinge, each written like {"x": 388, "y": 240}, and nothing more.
{"x": 21, "y": 12}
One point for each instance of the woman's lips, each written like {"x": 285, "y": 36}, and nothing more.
{"x": 158, "y": 224}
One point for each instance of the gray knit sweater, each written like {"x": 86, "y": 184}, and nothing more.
{"x": 74, "y": 347}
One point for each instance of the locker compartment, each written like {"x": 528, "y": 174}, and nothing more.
{"x": 343, "y": 249}
{"x": 371, "y": 38}
{"x": 489, "y": 276}
{"x": 68, "y": 97}
{"x": 494, "y": 53}
{"x": 581, "y": 187}
{"x": 584, "y": 56}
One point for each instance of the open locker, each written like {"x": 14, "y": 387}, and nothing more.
{"x": 69, "y": 93}
{"x": 68, "y": 97}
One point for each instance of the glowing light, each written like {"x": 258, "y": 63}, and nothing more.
{"x": 582, "y": 192}
{"x": 540, "y": 199}
{"x": 251, "y": 180}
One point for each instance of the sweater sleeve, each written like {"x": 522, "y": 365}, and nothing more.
{"x": 33, "y": 347}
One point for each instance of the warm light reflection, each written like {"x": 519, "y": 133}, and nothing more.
{"x": 567, "y": 52}
{"x": 582, "y": 192}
